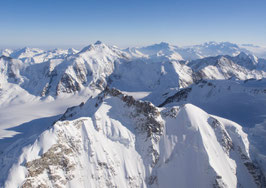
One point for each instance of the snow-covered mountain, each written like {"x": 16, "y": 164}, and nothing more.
{"x": 164, "y": 125}
{"x": 35, "y": 55}
{"x": 241, "y": 67}
{"x": 85, "y": 69}
{"x": 88, "y": 68}
{"x": 114, "y": 140}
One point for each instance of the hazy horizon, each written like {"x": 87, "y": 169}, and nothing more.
{"x": 63, "y": 24}
{"x": 80, "y": 47}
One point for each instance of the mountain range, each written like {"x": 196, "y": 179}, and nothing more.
{"x": 154, "y": 116}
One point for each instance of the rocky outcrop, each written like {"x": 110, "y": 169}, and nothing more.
{"x": 221, "y": 134}
{"x": 53, "y": 162}
{"x": 228, "y": 146}
{"x": 180, "y": 95}
{"x": 67, "y": 85}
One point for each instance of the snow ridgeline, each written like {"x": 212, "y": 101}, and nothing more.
{"x": 113, "y": 140}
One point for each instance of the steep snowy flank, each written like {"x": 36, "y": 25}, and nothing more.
{"x": 241, "y": 101}
{"x": 114, "y": 140}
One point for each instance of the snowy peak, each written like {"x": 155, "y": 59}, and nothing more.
{"x": 162, "y": 51}
{"x": 94, "y": 47}
{"x": 26, "y": 52}
{"x": 100, "y": 49}
{"x": 158, "y": 47}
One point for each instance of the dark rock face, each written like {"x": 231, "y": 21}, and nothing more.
{"x": 173, "y": 112}
{"x": 256, "y": 173}
{"x": 180, "y": 95}
{"x": 198, "y": 76}
{"x": 81, "y": 73}
{"x": 70, "y": 112}
{"x": 68, "y": 84}
{"x": 221, "y": 135}
{"x": 5, "y": 58}
{"x": 147, "y": 109}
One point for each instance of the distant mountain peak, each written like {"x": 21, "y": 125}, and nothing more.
{"x": 243, "y": 55}
{"x": 98, "y": 42}
{"x": 164, "y": 44}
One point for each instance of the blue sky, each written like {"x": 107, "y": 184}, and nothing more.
{"x": 77, "y": 23}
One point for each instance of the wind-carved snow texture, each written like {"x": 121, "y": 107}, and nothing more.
{"x": 114, "y": 140}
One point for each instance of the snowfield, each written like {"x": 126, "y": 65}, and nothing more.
{"x": 154, "y": 116}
